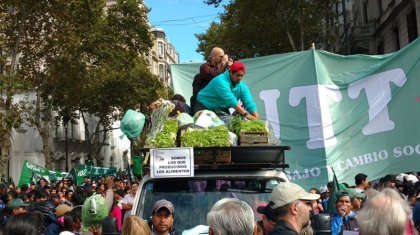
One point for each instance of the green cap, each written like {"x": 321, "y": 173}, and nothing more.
{"x": 17, "y": 202}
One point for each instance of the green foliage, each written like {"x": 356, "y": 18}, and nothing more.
{"x": 282, "y": 26}
{"x": 253, "y": 125}
{"x": 167, "y": 137}
{"x": 213, "y": 137}
{"x": 235, "y": 124}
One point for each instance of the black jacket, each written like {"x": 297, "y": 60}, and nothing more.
{"x": 283, "y": 228}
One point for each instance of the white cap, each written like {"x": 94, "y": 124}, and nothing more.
{"x": 287, "y": 192}
{"x": 323, "y": 189}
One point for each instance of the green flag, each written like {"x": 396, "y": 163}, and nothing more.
{"x": 333, "y": 194}
{"x": 137, "y": 165}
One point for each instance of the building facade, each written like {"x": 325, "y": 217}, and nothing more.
{"x": 161, "y": 56}
{"x": 381, "y": 26}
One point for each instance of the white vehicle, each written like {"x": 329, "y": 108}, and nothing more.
{"x": 253, "y": 173}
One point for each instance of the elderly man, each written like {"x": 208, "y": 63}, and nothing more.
{"x": 225, "y": 91}
{"x": 291, "y": 207}
{"x": 217, "y": 64}
{"x": 230, "y": 216}
{"x": 163, "y": 218}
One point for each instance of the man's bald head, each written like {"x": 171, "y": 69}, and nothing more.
{"x": 216, "y": 55}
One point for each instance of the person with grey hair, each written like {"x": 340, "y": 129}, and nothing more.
{"x": 385, "y": 214}
{"x": 230, "y": 216}
{"x": 291, "y": 206}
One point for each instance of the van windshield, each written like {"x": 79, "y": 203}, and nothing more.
{"x": 194, "y": 198}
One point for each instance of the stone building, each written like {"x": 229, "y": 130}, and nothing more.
{"x": 380, "y": 26}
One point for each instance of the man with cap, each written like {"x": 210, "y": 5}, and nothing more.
{"x": 291, "y": 207}
{"x": 225, "y": 91}
{"x": 14, "y": 207}
{"x": 163, "y": 218}
{"x": 344, "y": 218}
{"x": 18, "y": 206}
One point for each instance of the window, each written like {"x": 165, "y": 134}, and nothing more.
{"x": 365, "y": 13}
{"x": 380, "y": 48}
{"x": 397, "y": 38}
{"x": 160, "y": 49}
{"x": 161, "y": 73}
{"x": 412, "y": 26}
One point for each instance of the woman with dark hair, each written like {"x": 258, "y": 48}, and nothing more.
{"x": 25, "y": 224}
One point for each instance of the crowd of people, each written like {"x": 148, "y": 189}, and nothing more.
{"x": 388, "y": 206}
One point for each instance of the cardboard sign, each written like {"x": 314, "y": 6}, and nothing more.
{"x": 172, "y": 162}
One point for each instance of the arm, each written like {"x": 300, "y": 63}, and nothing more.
{"x": 125, "y": 204}
{"x": 109, "y": 198}
{"x": 208, "y": 71}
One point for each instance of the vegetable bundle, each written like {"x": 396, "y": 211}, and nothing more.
{"x": 212, "y": 137}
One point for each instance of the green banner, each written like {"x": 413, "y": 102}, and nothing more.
{"x": 355, "y": 113}
{"x": 33, "y": 173}
{"x": 93, "y": 172}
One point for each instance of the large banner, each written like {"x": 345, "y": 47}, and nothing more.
{"x": 93, "y": 172}
{"x": 33, "y": 173}
{"x": 357, "y": 114}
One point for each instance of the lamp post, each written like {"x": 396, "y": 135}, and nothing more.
{"x": 66, "y": 120}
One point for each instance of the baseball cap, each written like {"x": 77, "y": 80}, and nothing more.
{"x": 265, "y": 209}
{"x": 323, "y": 189}
{"x": 163, "y": 204}
{"x": 60, "y": 210}
{"x": 286, "y": 192}
{"x": 16, "y": 203}
{"x": 236, "y": 66}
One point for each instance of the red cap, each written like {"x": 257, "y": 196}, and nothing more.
{"x": 236, "y": 66}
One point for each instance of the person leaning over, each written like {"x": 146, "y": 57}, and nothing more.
{"x": 291, "y": 206}
{"x": 225, "y": 91}
{"x": 230, "y": 216}
{"x": 215, "y": 65}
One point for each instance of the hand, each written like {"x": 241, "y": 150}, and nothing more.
{"x": 225, "y": 59}
{"x": 109, "y": 182}
{"x": 95, "y": 229}
{"x": 250, "y": 117}
{"x": 342, "y": 210}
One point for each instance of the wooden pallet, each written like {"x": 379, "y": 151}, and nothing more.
{"x": 206, "y": 157}
{"x": 253, "y": 138}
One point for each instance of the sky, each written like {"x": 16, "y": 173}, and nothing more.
{"x": 181, "y": 19}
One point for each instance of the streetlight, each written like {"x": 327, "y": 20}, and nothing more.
{"x": 66, "y": 120}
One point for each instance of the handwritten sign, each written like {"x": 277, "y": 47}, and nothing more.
{"x": 172, "y": 162}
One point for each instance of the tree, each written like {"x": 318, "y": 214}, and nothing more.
{"x": 248, "y": 29}
{"x": 81, "y": 57}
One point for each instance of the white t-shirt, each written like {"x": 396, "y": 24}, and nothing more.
{"x": 128, "y": 199}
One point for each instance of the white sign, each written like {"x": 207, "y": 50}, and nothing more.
{"x": 171, "y": 162}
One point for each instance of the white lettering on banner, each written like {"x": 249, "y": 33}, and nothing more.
{"x": 272, "y": 113}
{"x": 407, "y": 150}
{"x": 82, "y": 173}
{"x": 378, "y": 93}
{"x": 321, "y": 133}
{"x": 360, "y": 160}
{"x": 33, "y": 167}
{"x": 296, "y": 175}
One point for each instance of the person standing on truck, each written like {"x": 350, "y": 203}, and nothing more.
{"x": 225, "y": 91}
{"x": 217, "y": 64}
{"x": 163, "y": 218}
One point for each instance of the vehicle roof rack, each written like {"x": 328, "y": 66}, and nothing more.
{"x": 237, "y": 157}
